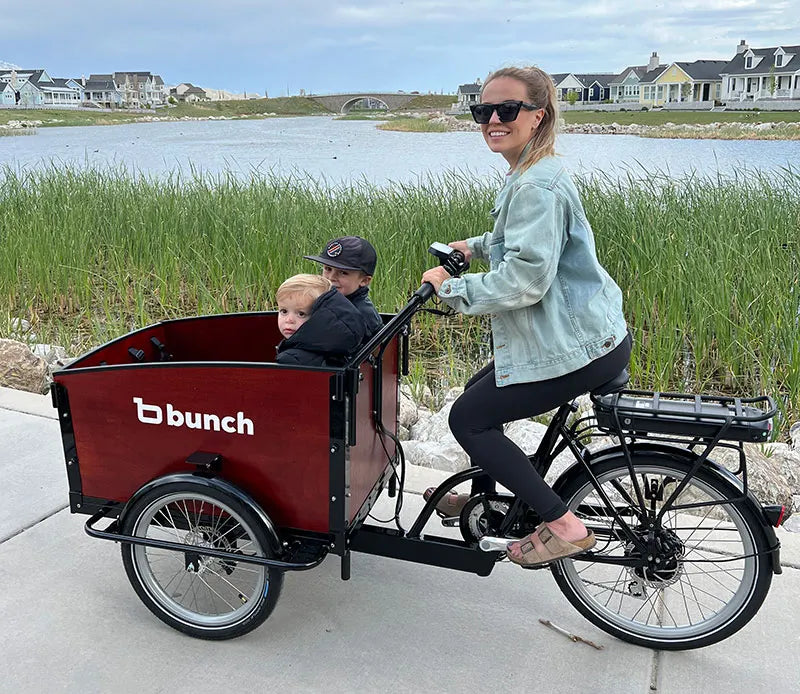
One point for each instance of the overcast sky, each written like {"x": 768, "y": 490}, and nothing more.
{"x": 342, "y": 45}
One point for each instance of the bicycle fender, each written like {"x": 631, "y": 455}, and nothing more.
{"x": 211, "y": 482}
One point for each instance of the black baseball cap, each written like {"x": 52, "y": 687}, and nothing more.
{"x": 348, "y": 253}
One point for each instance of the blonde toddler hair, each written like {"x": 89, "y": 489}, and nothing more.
{"x": 309, "y": 286}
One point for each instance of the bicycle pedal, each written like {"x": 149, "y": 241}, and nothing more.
{"x": 451, "y": 522}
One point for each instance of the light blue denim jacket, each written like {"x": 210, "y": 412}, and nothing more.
{"x": 553, "y": 307}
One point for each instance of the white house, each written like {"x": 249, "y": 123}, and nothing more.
{"x": 467, "y": 94}
{"x": 140, "y": 89}
{"x": 37, "y": 88}
{"x": 566, "y": 84}
{"x": 762, "y": 73}
{"x": 8, "y": 96}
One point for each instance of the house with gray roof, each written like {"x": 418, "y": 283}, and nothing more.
{"x": 8, "y": 96}
{"x": 140, "y": 89}
{"x": 567, "y": 83}
{"x": 186, "y": 91}
{"x": 101, "y": 90}
{"x": 25, "y": 85}
{"x": 625, "y": 87}
{"x": 37, "y": 88}
{"x": 596, "y": 86}
{"x": 467, "y": 94}
{"x": 762, "y": 73}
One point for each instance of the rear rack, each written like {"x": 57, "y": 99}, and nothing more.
{"x": 701, "y": 416}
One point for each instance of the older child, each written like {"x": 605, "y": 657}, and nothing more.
{"x": 319, "y": 325}
{"x": 349, "y": 263}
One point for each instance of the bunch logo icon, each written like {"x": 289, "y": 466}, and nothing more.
{"x": 170, "y": 416}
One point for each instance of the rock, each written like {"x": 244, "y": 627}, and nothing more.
{"x": 21, "y": 330}
{"x": 441, "y": 456}
{"x": 452, "y": 395}
{"x": 434, "y": 428}
{"x": 788, "y": 462}
{"x": 526, "y": 434}
{"x": 52, "y": 354}
{"x": 20, "y": 325}
{"x": 20, "y": 368}
{"x": 409, "y": 412}
{"x": 794, "y": 435}
{"x": 402, "y": 433}
{"x": 766, "y": 471}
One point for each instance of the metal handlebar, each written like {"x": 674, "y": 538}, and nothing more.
{"x": 451, "y": 260}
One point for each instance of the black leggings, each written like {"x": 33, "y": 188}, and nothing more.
{"x": 477, "y": 419}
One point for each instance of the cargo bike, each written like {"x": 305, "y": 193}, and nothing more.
{"x": 219, "y": 471}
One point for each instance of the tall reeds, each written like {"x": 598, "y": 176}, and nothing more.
{"x": 708, "y": 266}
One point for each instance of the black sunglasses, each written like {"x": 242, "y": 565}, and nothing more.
{"x": 507, "y": 111}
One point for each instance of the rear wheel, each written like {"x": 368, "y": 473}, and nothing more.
{"x": 706, "y": 579}
{"x": 202, "y": 596}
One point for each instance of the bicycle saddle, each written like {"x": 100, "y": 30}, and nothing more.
{"x": 617, "y": 383}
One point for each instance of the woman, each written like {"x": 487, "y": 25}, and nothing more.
{"x": 557, "y": 321}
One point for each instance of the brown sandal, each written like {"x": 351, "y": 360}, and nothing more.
{"x": 554, "y": 548}
{"x": 451, "y": 504}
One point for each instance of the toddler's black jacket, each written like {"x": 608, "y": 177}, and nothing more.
{"x": 335, "y": 329}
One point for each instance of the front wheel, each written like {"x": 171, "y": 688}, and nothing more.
{"x": 202, "y": 596}
{"x": 713, "y": 569}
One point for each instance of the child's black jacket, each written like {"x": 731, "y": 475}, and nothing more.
{"x": 372, "y": 319}
{"x": 335, "y": 329}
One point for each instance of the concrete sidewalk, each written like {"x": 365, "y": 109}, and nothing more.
{"x": 72, "y": 623}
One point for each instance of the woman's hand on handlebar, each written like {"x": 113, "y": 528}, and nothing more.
{"x": 462, "y": 246}
{"x": 436, "y": 275}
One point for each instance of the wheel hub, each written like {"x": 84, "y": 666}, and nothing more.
{"x": 664, "y": 565}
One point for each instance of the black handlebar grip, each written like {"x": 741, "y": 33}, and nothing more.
{"x": 425, "y": 292}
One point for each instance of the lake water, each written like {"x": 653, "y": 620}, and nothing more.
{"x": 342, "y": 151}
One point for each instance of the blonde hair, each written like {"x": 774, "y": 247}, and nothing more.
{"x": 309, "y": 286}
{"x": 542, "y": 92}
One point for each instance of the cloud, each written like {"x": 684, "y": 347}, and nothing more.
{"x": 387, "y": 44}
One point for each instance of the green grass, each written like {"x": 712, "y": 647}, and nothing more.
{"x": 413, "y": 125}
{"x": 710, "y": 268}
{"x": 438, "y": 101}
{"x": 64, "y": 117}
{"x": 678, "y": 117}
{"x": 365, "y": 115}
{"x": 282, "y": 106}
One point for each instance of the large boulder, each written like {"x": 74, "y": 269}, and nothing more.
{"x": 794, "y": 435}
{"x": 773, "y": 470}
{"x": 409, "y": 412}
{"x": 449, "y": 457}
{"x": 20, "y": 368}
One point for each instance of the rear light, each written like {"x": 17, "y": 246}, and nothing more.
{"x": 775, "y": 514}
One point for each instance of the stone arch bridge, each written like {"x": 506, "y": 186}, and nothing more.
{"x": 342, "y": 103}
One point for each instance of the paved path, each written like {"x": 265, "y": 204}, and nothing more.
{"x": 72, "y": 623}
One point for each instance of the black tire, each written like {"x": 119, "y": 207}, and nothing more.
{"x": 229, "y": 598}
{"x": 718, "y": 577}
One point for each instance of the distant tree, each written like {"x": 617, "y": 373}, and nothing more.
{"x": 572, "y": 97}
{"x": 686, "y": 89}
{"x": 772, "y": 80}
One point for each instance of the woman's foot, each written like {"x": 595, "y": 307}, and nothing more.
{"x": 451, "y": 503}
{"x": 544, "y": 546}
